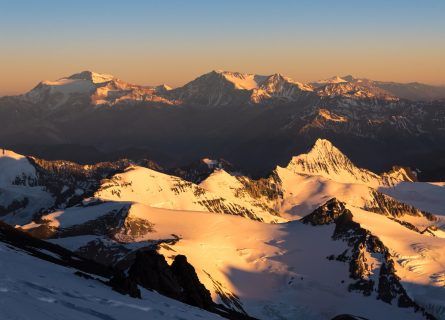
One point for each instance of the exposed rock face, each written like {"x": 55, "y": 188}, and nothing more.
{"x": 70, "y": 182}
{"x": 124, "y": 285}
{"x": 151, "y": 271}
{"x": 326, "y": 214}
{"x": 326, "y": 160}
{"x": 50, "y": 252}
{"x": 355, "y": 91}
{"x": 362, "y": 244}
{"x": 61, "y": 256}
{"x": 195, "y": 293}
{"x": 269, "y": 188}
{"x": 198, "y": 171}
{"x": 387, "y": 205}
{"x": 282, "y": 115}
{"x": 178, "y": 281}
{"x": 14, "y": 206}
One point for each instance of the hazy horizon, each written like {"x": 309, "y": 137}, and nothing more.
{"x": 153, "y": 42}
{"x": 196, "y": 76}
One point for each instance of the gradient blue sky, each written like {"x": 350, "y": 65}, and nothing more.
{"x": 152, "y": 42}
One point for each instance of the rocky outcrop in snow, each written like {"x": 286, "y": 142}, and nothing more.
{"x": 367, "y": 256}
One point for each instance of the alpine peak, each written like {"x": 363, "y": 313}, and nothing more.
{"x": 325, "y": 160}
{"x": 332, "y": 80}
{"x": 92, "y": 76}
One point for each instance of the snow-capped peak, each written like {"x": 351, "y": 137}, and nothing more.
{"x": 334, "y": 79}
{"x": 92, "y": 76}
{"x": 247, "y": 81}
{"x": 100, "y": 89}
{"x": 57, "y": 92}
{"x": 279, "y": 86}
{"x": 163, "y": 88}
{"x": 324, "y": 147}
{"x": 243, "y": 81}
{"x": 324, "y": 159}
{"x": 224, "y": 87}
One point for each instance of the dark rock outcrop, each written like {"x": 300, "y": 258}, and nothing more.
{"x": 51, "y": 252}
{"x": 151, "y": 271}
{"x": 194, "y": 293}
{"x": 362, "y": 243}
{"x": 178, "y": 281}
{"x": 347, "y": 317}
{"x": 124, "y": 285}
{"x": 327, "y": 213}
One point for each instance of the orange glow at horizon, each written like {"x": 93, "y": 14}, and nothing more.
{"x": 173, "y": 42}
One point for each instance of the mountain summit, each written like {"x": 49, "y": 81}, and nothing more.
{"x": 251, "y": 120}
{"x": 220, "y": 88}
{"x": 99, "y": 89}
{"x": 225, "y": 87}
{"x": 326, "y": 160}
{"x": 94, "y": 77}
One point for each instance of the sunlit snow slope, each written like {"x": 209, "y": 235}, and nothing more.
{"x": 374, "y": 251}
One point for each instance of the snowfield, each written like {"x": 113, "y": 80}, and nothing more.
{"x": 277, "y": 271}
{"x": 31, "y": 288}
{"x": 423, "y": 195}
{"x": 160, "y": 190}
{"x": 244, "y": 237}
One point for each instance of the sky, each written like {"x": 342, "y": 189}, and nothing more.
{"x": 150, "y": 42}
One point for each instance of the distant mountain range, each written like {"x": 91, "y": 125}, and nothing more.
{"x": 219, "y": 88}
{"x": 253, "y": 121}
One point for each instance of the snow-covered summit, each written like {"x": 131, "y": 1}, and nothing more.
{"x": 54, "y": 93}
{"x": 269, "y": 83}
{"x": 325, "y": 160}
{"x": 225, "y": 87}
{"x": 334, "y": 79}
{"x": 279, "y": 86}
{"x": 218, "y": 88}
{"x": 243, "y": 81}
{"x": 57, "y": 92}
{"x": 82, "y": 82}
{"x": 98, "y": 89}
{"x": 94, "y": 77}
